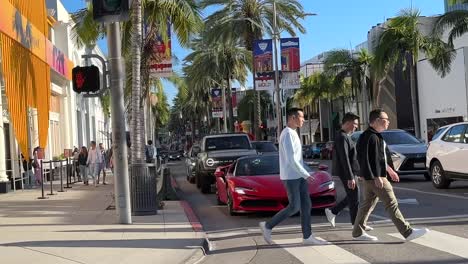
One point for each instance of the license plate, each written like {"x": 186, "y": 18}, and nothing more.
{"x": 419, "y": 165}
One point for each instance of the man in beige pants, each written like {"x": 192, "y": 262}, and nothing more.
{"x": 375, "y": 164}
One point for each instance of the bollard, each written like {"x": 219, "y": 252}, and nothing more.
{"x": 61, "y": 176}
{"x": 42, "y": 184}
{"x": 68, "y": 175}
{"x": 51, "y": 179}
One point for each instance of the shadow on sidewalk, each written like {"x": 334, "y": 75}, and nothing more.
{"x": 133, "y": 230}
{"x": 167, "y": 243}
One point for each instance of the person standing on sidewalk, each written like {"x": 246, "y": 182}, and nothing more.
{"x": 375, "y": 164}
{"x": 37, "y": 166}
{"x": 93, "y": 162}
{"x": 82, "y": 159}
{"x": 102, "y": 165}
{"x": 346, "y": 166}
{"x": 150, "y": 152}
{"x": 295, "y": 179}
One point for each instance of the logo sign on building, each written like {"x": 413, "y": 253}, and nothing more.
{"x": 290, "y": 63}
{"x": 217, "y": 102}
{"x": 160, "y": 64}
{"x": 263, "y": 65}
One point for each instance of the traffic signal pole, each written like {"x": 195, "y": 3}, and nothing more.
{"x": 121, "y": 184}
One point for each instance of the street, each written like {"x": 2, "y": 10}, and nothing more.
{"x": 237, "y": 239}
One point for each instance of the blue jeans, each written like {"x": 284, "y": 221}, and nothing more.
{"x": 299, "y": 199}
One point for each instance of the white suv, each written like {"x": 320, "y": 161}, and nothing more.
{"x": 447, "y": 155}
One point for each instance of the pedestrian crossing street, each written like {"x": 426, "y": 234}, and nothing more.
{"x": 440, "y": 245}
{"x": 439, "y": 241}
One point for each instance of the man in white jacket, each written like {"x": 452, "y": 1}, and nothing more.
{"x": 295, "y": 179}
{"x": 94, "y": 161}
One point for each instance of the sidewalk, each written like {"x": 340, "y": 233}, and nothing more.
{"x": 75, "y": 227}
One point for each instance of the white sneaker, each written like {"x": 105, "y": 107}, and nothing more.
{"x": 314, "y": 241}
{"x": 417, "y": 233}
{"x": 368, "y": 228}
{"x": 366, "y": 237}
{"x": 330, "y": 217}
{"x": 266, "y": 233}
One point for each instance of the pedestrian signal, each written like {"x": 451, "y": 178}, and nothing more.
{"x": 111, "y": 10}
{"x": 86, "y": 79}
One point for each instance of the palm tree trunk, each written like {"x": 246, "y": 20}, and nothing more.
{"x": 231, "y": 111}
{"x": 414, "y": 101}
{"x": 137, "y": 153}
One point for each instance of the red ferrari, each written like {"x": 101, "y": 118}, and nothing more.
{"x": 252, "y": 184}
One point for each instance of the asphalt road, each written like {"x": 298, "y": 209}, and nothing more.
{"x": 236, "y": 239}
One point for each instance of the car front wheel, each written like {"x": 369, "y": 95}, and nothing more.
{"x": 439, "y": 180}
{"x": 231, "y": 205}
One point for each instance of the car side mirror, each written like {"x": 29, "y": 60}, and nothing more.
{"x": 323, "y": 167}
{"x": 219, "y": 173}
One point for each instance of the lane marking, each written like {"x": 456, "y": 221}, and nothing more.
{"x": 431, "y": 193}
{"x": 441, "y": 241}
{"x": 318, "y": 254}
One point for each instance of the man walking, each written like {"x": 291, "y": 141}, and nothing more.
{"x": 375, "y": 164}
{"x": 294, "y": 177}
{"x": 346, "y": 166}
{"x": 93, "y": 162}
{"x": 102, "y": 165}
{"x": 150, "y": 152}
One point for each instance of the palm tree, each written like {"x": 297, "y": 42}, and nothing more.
{"x": 184, "y": 15}
{"x": 344, "y": 64}
{"x": 222, "y": 62}
{"x": 248, "y": 20}
{"x": 246, "y": 106}
{"x": 400, "y": 42}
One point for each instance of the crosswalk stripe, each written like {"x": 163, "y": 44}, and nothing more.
{"x": 443, "y": 242}
{"x": 318, "y": 254}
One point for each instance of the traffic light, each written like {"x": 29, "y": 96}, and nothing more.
{"x": 86, "y": 79}
{"x": 111, "y": 10}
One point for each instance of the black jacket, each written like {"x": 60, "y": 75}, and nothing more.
{"x": 371, "y": 155}
{"x": 344, "y": 164}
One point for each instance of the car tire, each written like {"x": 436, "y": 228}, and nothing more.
{"x": 198, "y": 180}
{"x": 192, "y": 179}
{"x": 439, "y": 179}
{"x": 205, "y": 185}
{"x": 230, "y": 205}
{"x": 427, "y": 176}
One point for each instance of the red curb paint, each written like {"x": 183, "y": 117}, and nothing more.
{"x": 192, "y": 217}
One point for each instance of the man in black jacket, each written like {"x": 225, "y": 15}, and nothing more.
{"x": 375, "y": 164}
{"x": 346, "y": 166}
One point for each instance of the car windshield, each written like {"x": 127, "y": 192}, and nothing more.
{"x": 399, "y": 138}
{"x": 439, "y": 132}
{"x": 228, "y": 142}
{"x": 260, "y": 166}
{"x": 264, "y": 146}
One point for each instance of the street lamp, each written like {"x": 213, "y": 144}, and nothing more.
{"x": 276, "y": 37}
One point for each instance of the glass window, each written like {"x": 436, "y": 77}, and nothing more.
{"x": 229, "y": 142}
{"x": 260, "y": 166}
{"x": 264, "y": 146}
{"x": 399, "y": 138}
{"x": 439, "y": 132}
{"x": 455, "y": 134}
{"x": 465, "y": 137}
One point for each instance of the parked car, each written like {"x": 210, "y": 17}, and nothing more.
{"x": 408, "y": 152}
{"x": 447, "y": 155}
{"x": 264, "y": 146}
{"x": 190, "y": 162}
{"x": 327, "y": 150}
{"x": 252, "y": 184}
{"x": 313, "y": 150}
{"x": 219, "y": 150}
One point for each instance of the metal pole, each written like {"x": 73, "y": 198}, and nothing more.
{"x": 224, "y": 110}
{"x": 42, "y": 184}
{"x": 121, "y": 179}
{"x": 51, "y": 178}
{"x": 277, "y": 89}
{"x": 61, "y": 177}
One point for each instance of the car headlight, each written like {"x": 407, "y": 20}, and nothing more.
{"x": 397, "y": 159}
{"x": 329, "y": 185}
{"x": 241, "y": 190}
{"x": 193, "y": 163}
{"x": 396, "y": 155}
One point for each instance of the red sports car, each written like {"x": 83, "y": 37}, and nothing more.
{"x": 252, "y": 184}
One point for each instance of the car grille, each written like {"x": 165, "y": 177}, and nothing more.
{"x": 408, "y": 164}
{"x": 259, "y": 203}
{"x": 322, "y": 200}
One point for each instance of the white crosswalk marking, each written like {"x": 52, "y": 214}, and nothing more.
{"x": 318, "y": 254}
{"x": 443, "y": 242}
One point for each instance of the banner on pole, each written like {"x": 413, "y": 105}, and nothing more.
{"x": 160, "y": 64}
{"x": 263, "y": 65}
{"x": 290, "y": 63}
{"x": 216, "y": 102}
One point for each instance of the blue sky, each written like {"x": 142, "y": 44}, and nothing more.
{"x": 338, "y": 24}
